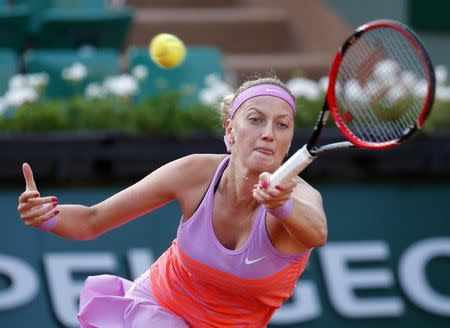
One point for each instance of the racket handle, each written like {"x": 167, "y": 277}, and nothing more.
{"x": 293, "y": 166}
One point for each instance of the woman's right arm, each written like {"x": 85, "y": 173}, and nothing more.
{"x": 83, "y": 222}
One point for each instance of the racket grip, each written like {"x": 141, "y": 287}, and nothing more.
{"x": 293, "y": 166}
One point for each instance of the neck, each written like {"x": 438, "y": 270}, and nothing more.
{"x": 246, "y": 178}
{"x": 238, "y": 187}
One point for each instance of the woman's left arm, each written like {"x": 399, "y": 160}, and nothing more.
{"x": 304, "y": 218}
{"x": 307, "y": 222}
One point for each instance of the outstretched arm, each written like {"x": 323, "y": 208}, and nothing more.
{"x": 83, "y": 222}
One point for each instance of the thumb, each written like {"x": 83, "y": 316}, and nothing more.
{"x": 264, "y": 180}
{"x": 28, "y": 175}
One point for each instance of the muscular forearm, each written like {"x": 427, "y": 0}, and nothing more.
{"x": 306, "y": 224}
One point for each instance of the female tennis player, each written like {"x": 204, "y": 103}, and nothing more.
{"x": 241, "y": 244}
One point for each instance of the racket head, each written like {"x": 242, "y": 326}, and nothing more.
{"x": 381, "y": 85}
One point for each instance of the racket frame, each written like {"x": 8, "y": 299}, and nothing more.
{"x": 305, "y": 155}
{"x": 427, "y": 67}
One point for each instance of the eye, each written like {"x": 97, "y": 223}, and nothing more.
{"x": 255, "y": 120}
{"x": 282, "y": 125}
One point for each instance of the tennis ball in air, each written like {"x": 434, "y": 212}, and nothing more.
{"x": 167, "y": 50}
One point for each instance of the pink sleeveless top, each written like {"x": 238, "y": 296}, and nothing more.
{"x": 209, "y": 285}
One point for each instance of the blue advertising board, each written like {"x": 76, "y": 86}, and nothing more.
{"x": 386, "y": 263}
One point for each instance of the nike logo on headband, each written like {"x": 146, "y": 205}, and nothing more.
{"x": 272, "y": 90}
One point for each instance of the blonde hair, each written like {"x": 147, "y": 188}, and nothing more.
{"x": 224, "y": 107}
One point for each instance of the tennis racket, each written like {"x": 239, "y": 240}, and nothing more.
{"x": 380, "y": 91}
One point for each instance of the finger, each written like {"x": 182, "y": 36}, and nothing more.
{"x": 270, "y": 203}
{"x": 279, "y": 189}
{"x": 27, "y": 195}
{"x": 34, "y": 216}
{"x": 35, "y": 202}
{"x": 29, "y": 179}
{"x": 264, "y": 180}
{"x": 268, "y": 197}
{"x": 36, "y": 221}
{"x": 287, "y": 186}
{"x": 270, "y": 192}
{"x": 43, "y": 200}
{"x": 47, "y": 216}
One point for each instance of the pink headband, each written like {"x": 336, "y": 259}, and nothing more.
{"x": 262, "y": 90}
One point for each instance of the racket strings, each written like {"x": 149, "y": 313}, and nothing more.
{"x": 393, "y": 126}
{"x": 373, "y": 130}
{"x": 381, "y": 85}
{"x": 413, "y": 64}
{"x": 366, "y": 126}
{"x": 393, "y": 90}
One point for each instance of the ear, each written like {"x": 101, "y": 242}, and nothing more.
{"x": 229, "y": 131}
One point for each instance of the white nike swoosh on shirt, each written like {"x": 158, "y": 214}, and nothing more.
{"x": 247, "y": 261}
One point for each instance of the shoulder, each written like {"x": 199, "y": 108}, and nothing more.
{"x": 191, "y": 171}
{"x": 197, "y": 164}
{"x": 195, "y": 173}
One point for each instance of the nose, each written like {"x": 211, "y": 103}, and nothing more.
{"x": 268, "y": 132}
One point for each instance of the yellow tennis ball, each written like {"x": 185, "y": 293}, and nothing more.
{"x": 167, "y": 50}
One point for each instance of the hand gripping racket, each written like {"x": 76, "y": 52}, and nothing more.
{"x": 380, "y": 91}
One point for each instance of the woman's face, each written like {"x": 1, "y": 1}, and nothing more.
{"x": 261, "y": 132}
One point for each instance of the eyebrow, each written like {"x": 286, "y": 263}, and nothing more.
{"x": 251, "y": 107}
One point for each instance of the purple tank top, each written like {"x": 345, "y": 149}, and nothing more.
{"x": 256, "y": 259}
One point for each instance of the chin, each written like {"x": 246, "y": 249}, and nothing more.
{"x": 263, "y": 163}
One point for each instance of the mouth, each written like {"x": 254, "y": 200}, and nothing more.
{"x": 265, "y": 151}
